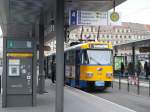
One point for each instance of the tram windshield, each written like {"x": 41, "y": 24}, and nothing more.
{"x": 98, "y": 57}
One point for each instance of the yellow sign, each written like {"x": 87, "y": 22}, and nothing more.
{"x": 114, "y": 16}
{"x": 19, "y": 54}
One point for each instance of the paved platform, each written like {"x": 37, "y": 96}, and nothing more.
{"x": 74, "y": 101}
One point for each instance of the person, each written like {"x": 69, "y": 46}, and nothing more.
{"x": 53, "y": 69}
{"x": 138, "y": 68}
{"x": 130, "y": 69}
{"x": 146, "y": 69}
{"x": 138, "y": 72}
{"x": 122, "y": 69}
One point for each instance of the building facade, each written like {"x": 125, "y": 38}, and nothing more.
{"x": 127, "y": 32}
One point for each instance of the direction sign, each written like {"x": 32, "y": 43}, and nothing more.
{"x": 93, "y": 18}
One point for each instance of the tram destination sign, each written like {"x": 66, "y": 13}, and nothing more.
{"x": 99, "y": 46}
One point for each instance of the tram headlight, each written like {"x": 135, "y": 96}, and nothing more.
{"x": 109, "y": 75}
{"x": 89, "y": 74}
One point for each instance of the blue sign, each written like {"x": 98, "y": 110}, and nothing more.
{"x": 99, "y": 83}
{"x": 73, "y": 17}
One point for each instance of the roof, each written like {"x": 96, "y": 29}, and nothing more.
{"x": 138, "y": 43}
{"x": 27, "y": 12}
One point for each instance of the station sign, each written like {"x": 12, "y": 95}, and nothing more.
{"x": 93, "y": 18}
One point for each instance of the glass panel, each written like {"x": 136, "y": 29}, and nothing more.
{"x": 100, "y": 57}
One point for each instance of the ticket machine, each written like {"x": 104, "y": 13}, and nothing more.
{"x": 19, "y": 76}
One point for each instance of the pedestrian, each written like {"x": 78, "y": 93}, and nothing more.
{"x": 146, "y": 69}
{"x": 122, "y": 69}
{"x": 130, "y": 69}
{"x": 53, "y": 69}
{"x": 138, "y": 68}
{"x": 138, "y": 72}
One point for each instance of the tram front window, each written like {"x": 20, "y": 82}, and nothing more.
{"x": 98, "y": 57}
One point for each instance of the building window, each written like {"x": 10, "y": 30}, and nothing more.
{"x": 120, "y": 36}
{"x": 124, "y": 30}
{"x": 125, "y": 37}
{"x": 87, "y": 30}
{"x": 129, "y": 30}
{"x": 129, "y": 37}
{"x": 107, "y": 36}
{"x": 92, "y": 29}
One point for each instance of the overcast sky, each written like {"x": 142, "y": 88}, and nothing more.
{"x": 137, "y": 11}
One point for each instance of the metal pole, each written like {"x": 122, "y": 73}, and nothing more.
{"x": 119, "y": 82}
{"x": 59, "y": 107}
{"x": 138, "y": 85}
{"x": 41, "y": 78}
{"x": 128, "y": 85}
{"x": 0, "y": 84}
{"x": 81, "y": 33}
{"x": 112, "y": 84}
{"x": 149, "y": 86}
{"x": 98, "y": 33}
{"x": 133, "y": 59}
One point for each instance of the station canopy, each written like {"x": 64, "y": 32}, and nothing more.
{"x": 143, "y": 45}
{"x": 138, "y": 43}
{"x": 27, "y": 12}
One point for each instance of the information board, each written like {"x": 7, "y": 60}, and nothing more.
{"x": 93, "y": 18}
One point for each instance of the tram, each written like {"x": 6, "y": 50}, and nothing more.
{"x": 88, "y": 65}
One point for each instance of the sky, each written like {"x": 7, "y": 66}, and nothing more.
{"x": 136, "y": 11}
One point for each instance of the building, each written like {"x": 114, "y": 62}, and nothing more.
{"x": 127, "y": 32}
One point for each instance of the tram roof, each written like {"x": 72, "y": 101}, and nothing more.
{"x": 78, "y": 46}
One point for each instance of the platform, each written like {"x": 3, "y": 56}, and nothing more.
{"x": 74, "y": 101}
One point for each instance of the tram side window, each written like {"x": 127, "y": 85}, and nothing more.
{"x": 85, "y": 59}
{"x": 79, "y": 57}
{"x": 70, "y": 57}
{"x": 67, "y": 57}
